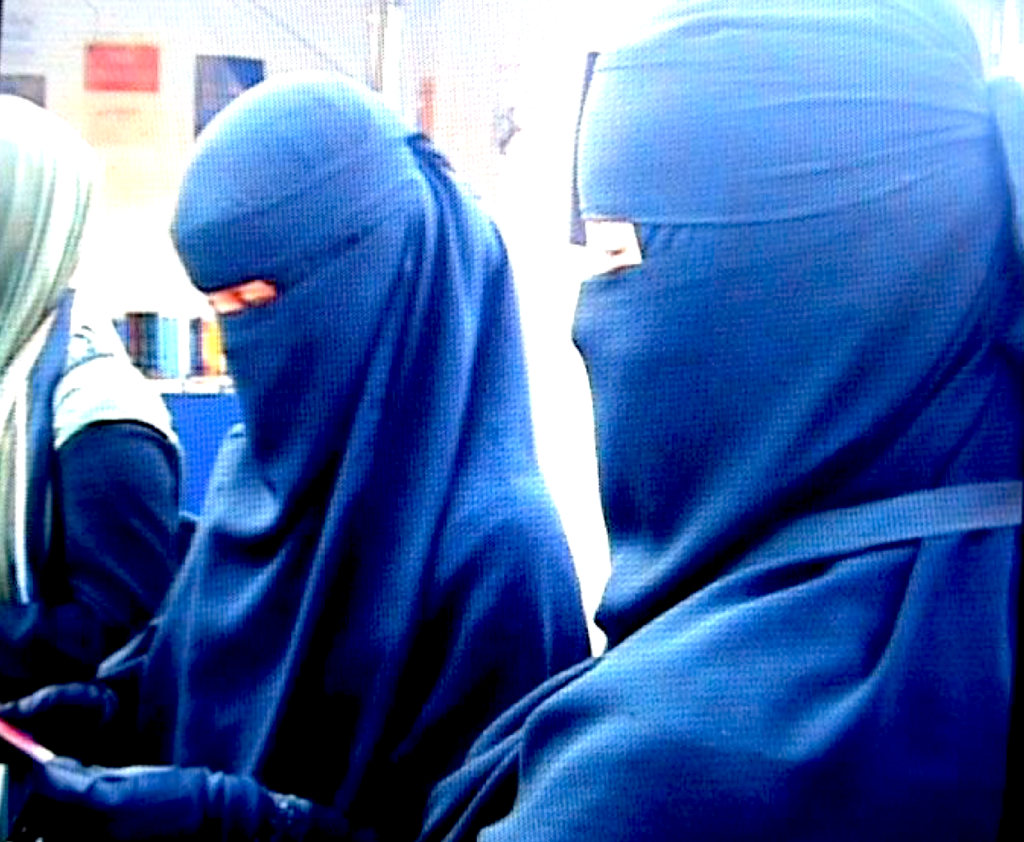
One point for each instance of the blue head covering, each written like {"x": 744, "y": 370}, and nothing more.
{"x": 809, "y": 428}
{"x": 379, "y": 569}
{"x": 829, "y": 276}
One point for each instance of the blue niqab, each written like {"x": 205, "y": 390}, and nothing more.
{"x": 379, "y": 570}
{"x": 790, "y": 299}
{"x": 808, "y": 404}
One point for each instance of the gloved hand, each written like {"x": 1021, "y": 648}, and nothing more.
{"x": 72, "y": 801}
{"x": 71, "y": 719}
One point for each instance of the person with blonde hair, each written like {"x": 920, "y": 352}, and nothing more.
{"x": 89, "y": 465}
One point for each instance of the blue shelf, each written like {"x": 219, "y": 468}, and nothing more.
{"x": 201, "y": 420}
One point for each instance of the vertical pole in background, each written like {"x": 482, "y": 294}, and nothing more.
{"x": 5, "y": 831}
{"x": 373, "y": 43}
{"x": 385, "y": 49}
{"x": 996, "y": 40}
{"x": 1006, "y": 44}
{"x": 377, "y": 18}
{"x": 1013, "y": 35}
{"x": 392, "y": 65}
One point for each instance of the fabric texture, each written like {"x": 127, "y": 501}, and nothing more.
{"x": 379, "y": 570}
{"x": 826, "y": 319}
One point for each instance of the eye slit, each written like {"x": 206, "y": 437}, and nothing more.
{"x": 234, "y": 299}
{"x": 255, "y": 293}
{"x": 614, "y": 244}
{"x": 224, "y": 302}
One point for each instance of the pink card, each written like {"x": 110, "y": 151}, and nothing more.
{"x": 24, "y": 743}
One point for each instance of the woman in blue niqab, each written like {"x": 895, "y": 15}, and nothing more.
{"x": 808, "y": 405}
{"x": 385, "y": 483}
{"x": 379, "y": 571}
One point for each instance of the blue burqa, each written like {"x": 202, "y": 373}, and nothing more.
{"x": 379, "y": 571}
{"x": 808, "y": 403}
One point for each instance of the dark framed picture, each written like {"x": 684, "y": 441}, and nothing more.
{"x": 219, "y": 79}
{"x": 31, "y": 86}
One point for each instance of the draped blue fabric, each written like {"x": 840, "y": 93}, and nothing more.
{"x": 379, "y": 570}
{"x": 818, "y": 357}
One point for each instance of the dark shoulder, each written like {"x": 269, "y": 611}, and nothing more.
{"x": 115, "y": 452}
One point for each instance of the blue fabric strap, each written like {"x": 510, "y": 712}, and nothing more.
{"x": 922, "y": 514}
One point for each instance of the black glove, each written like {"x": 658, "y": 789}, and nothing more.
{"x": 71, "y": 801}
{"x": 78, "y": 720}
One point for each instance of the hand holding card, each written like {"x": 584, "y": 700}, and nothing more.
{"x": 14, "y": 784}
{"x": 75, "y": 720}
{"x": 24, "y": 743}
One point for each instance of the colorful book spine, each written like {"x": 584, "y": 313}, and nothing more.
{"x": 171, "y": 347}
{"x": 195, "y": 347}
{"x": 172, "y": 351}
{"x": 121, "y": 326}
{"x": 144, "y": 342}
{"x": 214, "y": 363}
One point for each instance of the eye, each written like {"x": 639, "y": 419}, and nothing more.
{"x": 255, "y": 293}
{"x": 242, "y": 297}
{"x": 612, "y": 244}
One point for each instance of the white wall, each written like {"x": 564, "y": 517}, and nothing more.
{"x": 1012, "y": 51}
{"x": 131, "y": 254}
{"x": 998, "y": 25}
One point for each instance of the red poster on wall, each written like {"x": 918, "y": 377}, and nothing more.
{"x": 122, "y": 67}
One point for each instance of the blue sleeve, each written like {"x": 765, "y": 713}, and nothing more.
{"x": 153, "y": 803}
{"x": 508, "y": 617}
{"x": 113, "y": 555}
